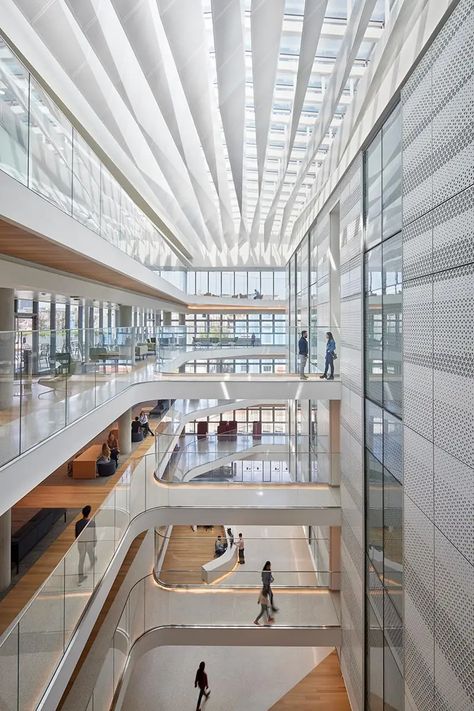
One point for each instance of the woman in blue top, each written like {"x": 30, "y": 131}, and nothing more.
{"x": 330, "y": 352}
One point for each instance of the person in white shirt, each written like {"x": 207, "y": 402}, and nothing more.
{"x": 241, "y": 548}
{"x": 144, "y": 424}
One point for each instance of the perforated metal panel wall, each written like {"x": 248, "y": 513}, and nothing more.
{"x": 438, "y": 389}
{"x": 352, "y": 435}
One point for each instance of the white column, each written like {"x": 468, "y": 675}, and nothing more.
{"x": 5, "y": 549}
{"x": 125, "y": 316}
{"x": 125, "y": 432}
{"x": 7, "y": 346}
{"x": 126, "y": 321}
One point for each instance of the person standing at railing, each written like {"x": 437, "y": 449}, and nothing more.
{"x": 330, "y": 357}
{"x": 267, "y": 580}
{"x": 231, "y": 537}
{"x": 203, "y": 684}
{"x": 303, "y": 353}
{"x": 241, "y": 548}
{"x": 87, "y": 542}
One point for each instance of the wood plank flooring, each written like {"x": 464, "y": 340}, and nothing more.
{"x": 322, "y": 689}
{"x": 60, "y": 491}
{"x": 187, "y": 552}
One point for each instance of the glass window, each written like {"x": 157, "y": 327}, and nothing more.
{"x": 201, "y": 282}
{"x": 86, "y": 184}
{"x": 280, "y": 279}
{"x": 14, "y": 88}
{"x": 394, "y": 687}
{"x": 253, "y": 283}
{"x": 110, "y": 227}
{"x": 191, "y": 283}
{"x": 373, "y": 192}
{"x": 393, "y": 445}
{"x": 374, "y": 518}
{"x": 373, "y": 325}
{"x": 392, "y": 174}
{"x": 215, "y": 283}
{"x": 375, "y": 667}
{"x": 393, "y": 539}
{"x": 374, "y": 429}
{"x": 392, "y": 324}
{"x": 241, "y": 283}
{"x": 228, "y": 283}
{"x": 267, "y": 285}
{"x": 50, "y": 150}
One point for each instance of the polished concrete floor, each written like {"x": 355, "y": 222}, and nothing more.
{"x": 240, "y": 679}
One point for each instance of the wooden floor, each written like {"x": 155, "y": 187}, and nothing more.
{"x": 60, "y": 491}
{"x": 322, "y": 689}
{"x": 187, "y": 552}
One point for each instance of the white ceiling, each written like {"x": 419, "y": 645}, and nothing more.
{"x": 221, "y": 112}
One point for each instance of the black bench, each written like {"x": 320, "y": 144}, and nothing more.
{"x": 25, "y": 539}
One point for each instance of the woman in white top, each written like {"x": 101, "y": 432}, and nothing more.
{"x": 144, "y": 424}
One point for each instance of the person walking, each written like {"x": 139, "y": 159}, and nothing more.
{"x": 330, "y": 357}
{"x": 267, "y": 580}
{"x": 201, "y": 682}
{"x": 264, "y": 602}
{"x": 241, "y": 548}
{"x": 87, "y": 542}
{"x": 303, "y": 353}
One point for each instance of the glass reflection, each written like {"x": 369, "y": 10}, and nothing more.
{"x": 14, "y": 87}
{"x": 50, "y": 165}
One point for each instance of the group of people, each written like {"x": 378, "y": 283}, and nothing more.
{"x": 140, "y": 424}
{"x": 330, "y": 357}
{"x": 221, "y": 545}
{"x": 267, "y": 610}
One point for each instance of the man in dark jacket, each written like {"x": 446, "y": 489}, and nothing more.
{"x": 303, "y": 353}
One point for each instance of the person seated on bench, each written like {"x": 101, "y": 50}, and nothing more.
{"x": 144, "y": 424}
{"x": 219, "y": 547}
{"x": 104, "y": 454}
{"x": 112, "y": 442}
{"x": 137, "y": 432}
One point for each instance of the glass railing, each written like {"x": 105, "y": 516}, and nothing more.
{"x": 34, "y": 644}
{"x": 244, "y": 578}
{"x": 244, "y": 457}
{"x": 175, "y": 341}
{"x": 142, "y": 613}
{"x": 49, "y": 379}
{"x": 41, "y": 149}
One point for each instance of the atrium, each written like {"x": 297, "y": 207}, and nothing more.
{"x": 236, "y": 355}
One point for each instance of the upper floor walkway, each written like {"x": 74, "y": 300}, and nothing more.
{"x": 49, "y": 417}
